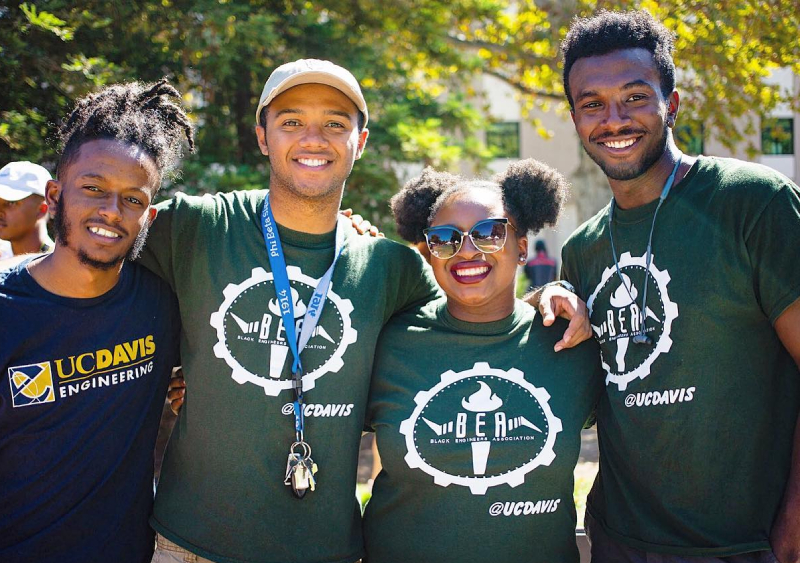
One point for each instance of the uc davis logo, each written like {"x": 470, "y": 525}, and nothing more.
{"x": 31, "y": 384}
{"x": 251, "y": 337}
{"x": 480, "y": 428}
{"x": 614, "y": 310}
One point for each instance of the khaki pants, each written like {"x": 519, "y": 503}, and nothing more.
{"x": 169, "y": 552}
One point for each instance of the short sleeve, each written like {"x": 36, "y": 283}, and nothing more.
{"x": 772, "y": 245}
{"x": 157, "y": 253}
{"x": 419, "y": 285}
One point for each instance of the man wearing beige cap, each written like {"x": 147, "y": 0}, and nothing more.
{"x": 249, "y": 280}
{"x": 281, "y": 305}
{"x": 23, "y": 211}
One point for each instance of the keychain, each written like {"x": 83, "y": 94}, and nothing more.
{"x": 300, "y": 470}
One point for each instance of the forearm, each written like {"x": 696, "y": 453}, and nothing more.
{"x": 785, "y": 536}
{"x": 793, "y": 486}
{"x": 791, "y": 498}
{"x": 533, "y": 297}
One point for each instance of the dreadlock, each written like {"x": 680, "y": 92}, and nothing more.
{"x": 134, "y": 113}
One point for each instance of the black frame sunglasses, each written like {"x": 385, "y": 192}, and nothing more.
{"x": 444, "y": 241}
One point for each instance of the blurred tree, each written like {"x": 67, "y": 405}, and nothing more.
{"x": 416, "y": 60}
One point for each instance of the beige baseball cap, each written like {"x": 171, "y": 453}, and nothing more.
{"x": 20, "y": 179}
{"x": 312, "y": 71}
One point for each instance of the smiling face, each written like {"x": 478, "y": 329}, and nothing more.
{"x": 312, "y": 141}
{"x": 479, "y": 287}
{"x": 619, "y": 112}
{"x": 102, "y": 202}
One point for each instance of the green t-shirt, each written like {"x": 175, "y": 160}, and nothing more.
{"x": 478, "y": 428}
{"x": 695, "y": 430}
{"x": 221, "y": 493}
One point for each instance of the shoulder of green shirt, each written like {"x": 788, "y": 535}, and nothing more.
{"x": 744, "y": 178}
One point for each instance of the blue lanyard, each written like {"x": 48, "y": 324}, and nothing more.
{"x": 283, "y": 289}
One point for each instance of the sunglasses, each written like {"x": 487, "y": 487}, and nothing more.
{"x": 488, "y": 236}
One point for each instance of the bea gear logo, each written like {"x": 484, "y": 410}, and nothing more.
{"x": 481, "y": 428}
{"x": 614, "y": 311}
{"x": 251, "y": 337}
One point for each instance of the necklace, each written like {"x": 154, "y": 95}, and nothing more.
{"x": 641, "y": 336}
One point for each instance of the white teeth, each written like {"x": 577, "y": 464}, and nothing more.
{"x": 312, "y": 161}
{"x": 620, "y": 144}
{"x": 103, "y": 232}
{"x": 473, "y": 271}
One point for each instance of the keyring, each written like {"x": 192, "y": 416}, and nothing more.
{"x": 306, "y": 449}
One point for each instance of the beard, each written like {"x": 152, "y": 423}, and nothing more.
{"x": 62, "y": 228}
{"x": 636, "y": 169}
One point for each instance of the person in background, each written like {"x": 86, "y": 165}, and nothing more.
{"x": 23, "y": 210}
{"x": 541, "y": 268}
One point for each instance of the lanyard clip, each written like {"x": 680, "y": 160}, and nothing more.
{"x": 297, "y": 385}
{"x": 299, "y": 420}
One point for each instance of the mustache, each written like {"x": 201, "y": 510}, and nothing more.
{"x": 628, "y": 131}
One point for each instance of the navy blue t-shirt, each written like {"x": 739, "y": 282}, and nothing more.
{"x": 82, "y": 385}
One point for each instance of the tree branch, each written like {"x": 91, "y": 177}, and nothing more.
{"x": 499, "y": 50}
{"x": 515, "y": 83}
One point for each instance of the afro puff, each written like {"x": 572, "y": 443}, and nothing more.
{"x": 413, "y": 204}
{"x": 532, "y": 194}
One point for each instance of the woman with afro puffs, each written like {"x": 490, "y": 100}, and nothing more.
{"x": 477, "y": 419}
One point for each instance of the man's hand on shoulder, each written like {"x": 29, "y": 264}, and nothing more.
{"x": 553, "y": 300}
{"x": 361, "y": 225}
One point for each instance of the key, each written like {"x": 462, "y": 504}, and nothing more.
{"x": 300, "y": 470}
{"x": 312, "y": 470}
{"x": 291, "y": 463}
{"x": 300, "y": 479}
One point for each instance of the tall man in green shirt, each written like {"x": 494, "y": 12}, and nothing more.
{"x": 229, "y": 482}
{"x": 692, "y": 281}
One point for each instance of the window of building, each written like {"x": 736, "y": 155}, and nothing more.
{"x": 777, "y": 135}
{"x": 503, "y": 139}
{"x": 689, "y": 137}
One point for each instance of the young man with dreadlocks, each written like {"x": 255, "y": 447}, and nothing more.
{"x": 88, "y": 340}
{"x": 693, "y": 283}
